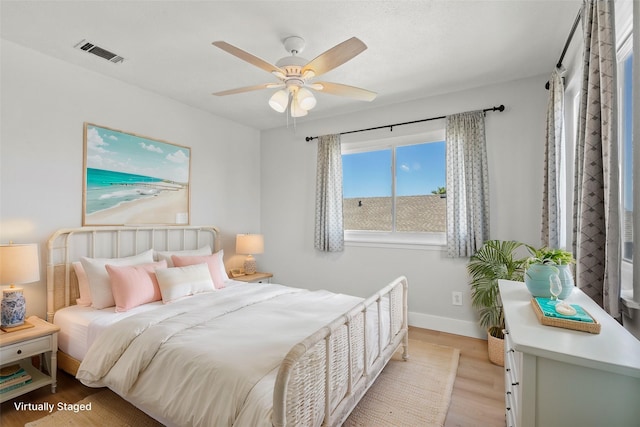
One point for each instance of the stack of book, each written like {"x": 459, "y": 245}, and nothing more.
{"x": 12, "y": 377}
{"x": 548, "y": 308}
{"x": 581, "y": 320}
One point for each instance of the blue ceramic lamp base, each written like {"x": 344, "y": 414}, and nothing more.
{"x": 12, "y": 310}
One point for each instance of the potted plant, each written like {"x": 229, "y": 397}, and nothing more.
{"x": 495, "y": 260}
{"x": 544, "y": 262}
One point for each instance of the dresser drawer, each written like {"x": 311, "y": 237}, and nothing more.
{"x": 25, "y": 349}
{"x": 511, "y": 416}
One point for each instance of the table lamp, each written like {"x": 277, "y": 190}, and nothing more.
{"x": 249, "y": 244}
{"x": 18, "y": 264}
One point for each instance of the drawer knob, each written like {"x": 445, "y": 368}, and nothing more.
{"x": 19, "y": 351}
{"x": 515, "y": 383}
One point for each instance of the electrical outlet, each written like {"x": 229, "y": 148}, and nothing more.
{"x": 456, "y": 298}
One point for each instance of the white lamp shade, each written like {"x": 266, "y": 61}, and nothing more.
{"x": 296, "y": 109}
{"x": 249, "y": 244}
{"x": 19, "y": 264}
{"x": 279, "y": 101}
{"x": 306, "y": 100}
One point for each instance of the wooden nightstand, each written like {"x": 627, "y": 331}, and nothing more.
{"x": 255, "y": 278}
{"x": 20, "y": 346}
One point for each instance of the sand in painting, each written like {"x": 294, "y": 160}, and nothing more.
{"x": 160, "y": 209}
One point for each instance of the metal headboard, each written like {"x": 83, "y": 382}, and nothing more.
{"x": 67, "y": 245}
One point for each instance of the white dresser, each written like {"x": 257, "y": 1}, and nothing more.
{"x": 561, "y": 377}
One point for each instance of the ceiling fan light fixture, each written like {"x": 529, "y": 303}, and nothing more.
{"x": 296, "y": 109}
{"x": 294, "y": 74}
{"x": 305, "y": 98}
{"x": 279, "y": 101}
{"x": 308, "y": 74}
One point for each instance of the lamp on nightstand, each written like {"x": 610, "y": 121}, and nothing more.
{"x": 249, "y": 244}
{"x": 18, "y": 264}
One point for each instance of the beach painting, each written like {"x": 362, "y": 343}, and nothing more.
{"x": 133, "y": 180}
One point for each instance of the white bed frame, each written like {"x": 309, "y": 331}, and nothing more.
{"x": 321, "y": 379}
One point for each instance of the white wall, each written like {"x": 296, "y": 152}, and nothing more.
{"x": 515, "y": 140}
{"x": 44, "y": 104}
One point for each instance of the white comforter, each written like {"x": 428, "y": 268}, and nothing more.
{"x": 211, "y": 359}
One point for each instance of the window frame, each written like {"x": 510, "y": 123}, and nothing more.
{"x": 626, "y": 265}
{"x": 394, "y": 239}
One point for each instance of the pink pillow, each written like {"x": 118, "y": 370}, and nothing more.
{"x": 83, "y": 285}
{"x": 213, "y": 262}
{"x": 134, "y": 285}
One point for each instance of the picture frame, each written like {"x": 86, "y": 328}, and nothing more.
{"x": 131, "y": 179}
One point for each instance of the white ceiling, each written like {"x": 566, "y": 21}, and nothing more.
{"x": 415, "y": 48}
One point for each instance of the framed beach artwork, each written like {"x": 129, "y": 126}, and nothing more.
{"x": 133, "y": 180}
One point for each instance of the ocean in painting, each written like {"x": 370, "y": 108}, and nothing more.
{"x": 107, "y": 189}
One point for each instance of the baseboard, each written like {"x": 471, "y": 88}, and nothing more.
{"x": 447, "y": 324}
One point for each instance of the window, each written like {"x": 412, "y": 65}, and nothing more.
{"x": 395, "y": 192}
{"x": 625, "y": 135}
{"x": 626, "y": 140}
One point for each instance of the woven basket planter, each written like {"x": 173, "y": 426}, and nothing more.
{"x": 496, "y": 350}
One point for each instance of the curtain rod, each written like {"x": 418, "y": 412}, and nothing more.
{"x": 309, "y": 138}
{"x": 567, "y": 43}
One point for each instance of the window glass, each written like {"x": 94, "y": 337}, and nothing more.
{"x": 421, "y": 188}
{"x": 401, "y": 189}
{"x": 366, "y": 190}
{"x": 626, "y": 119}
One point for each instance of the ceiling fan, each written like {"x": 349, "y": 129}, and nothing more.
{"x": 296, "y": 75}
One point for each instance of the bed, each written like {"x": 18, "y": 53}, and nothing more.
{"x": 243, "y": 354}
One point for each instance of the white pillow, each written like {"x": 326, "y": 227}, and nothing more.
{"x": 166, "y": 255}
{"x": 179, "y": 282}
{"x": 225, "y": 276}
{"x": 99, "y": 283}
{"x": 83, "y": 285}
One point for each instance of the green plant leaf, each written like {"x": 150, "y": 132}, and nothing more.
{"x": 494, "y": 261}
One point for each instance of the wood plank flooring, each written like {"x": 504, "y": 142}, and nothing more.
{"x": 477, "y": 400}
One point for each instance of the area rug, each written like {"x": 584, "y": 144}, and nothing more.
{"x": 412, "y": 393}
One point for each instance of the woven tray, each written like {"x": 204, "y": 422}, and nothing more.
{"x": 593, "y": 328}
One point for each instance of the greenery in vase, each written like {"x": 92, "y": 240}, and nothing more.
{"x": 495, "y": 260}
{"x": 549, "y": 256}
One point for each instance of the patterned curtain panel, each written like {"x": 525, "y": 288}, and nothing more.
{"x": 552, "y": 160}
{"x": 467, "y": 184}
{"x": 329, "y": 233}
{"x": 596, "y": 220}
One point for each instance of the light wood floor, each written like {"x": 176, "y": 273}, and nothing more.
{"x": 477, "y": 400}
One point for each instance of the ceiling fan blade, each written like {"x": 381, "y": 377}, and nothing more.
{"x": 336, "y": 56}
{"x": 249, "y": 89}
{"x": 246, "y": 56}
{"x": 344, "y": 90}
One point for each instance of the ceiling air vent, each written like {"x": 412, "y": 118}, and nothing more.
{"x": 98, "y": 51}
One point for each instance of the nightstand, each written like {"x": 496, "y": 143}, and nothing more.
{"x": 255, "y": 278}
{"x": 19, "y": 346}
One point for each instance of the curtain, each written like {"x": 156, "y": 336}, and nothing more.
{"x": 596, "y": 220}
{"x": 467, "y": 184}
{"x": 329, "y": 234}
{"x": 551, "y": 199}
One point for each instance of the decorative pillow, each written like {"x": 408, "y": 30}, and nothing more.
{"x": 99, "y": 283}
{"x": 83, "y": 285}
{"x": 134, "y": 285}
{"x": 179, "y": 282}
{"x": 166, "y": 255}
{"x": 223, "y": 270}
{"x": 216, "y": 266}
